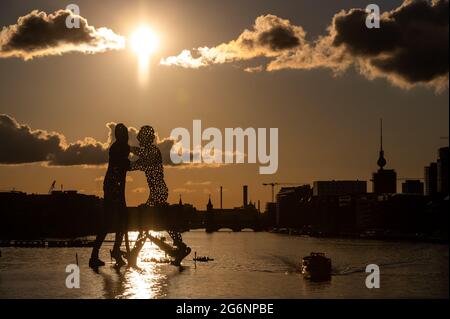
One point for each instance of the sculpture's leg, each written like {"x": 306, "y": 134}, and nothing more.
{"x": 116, "y": 253}
{"x": 182, "y": 250}
{"x": 176, "y": 237}
{"x": 127, "y": 243}
{"x": 134, "y": 253}
{"x": 177, "y": 253}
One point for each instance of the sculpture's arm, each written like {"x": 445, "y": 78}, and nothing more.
{"x": 137, "y": 165}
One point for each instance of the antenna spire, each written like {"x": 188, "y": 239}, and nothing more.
{"x": 381, "y": 134}
{"x": 381, "y": 160}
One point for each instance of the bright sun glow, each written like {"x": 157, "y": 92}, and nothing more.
{"x": 144, "y": 41}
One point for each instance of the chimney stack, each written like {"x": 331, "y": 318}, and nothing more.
{"x": 245, "y": 195}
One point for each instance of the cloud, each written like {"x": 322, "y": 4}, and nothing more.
{"x": 86, "y": 152}
{"x": 269, "y": 37}
{"x": 40, "y": 34}
{"x": 410, "y": 48}
{"x": 20, "y": 144}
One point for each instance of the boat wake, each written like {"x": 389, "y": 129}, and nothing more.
{"x": 293, "y": 266}
{"x": 349, "y": 269}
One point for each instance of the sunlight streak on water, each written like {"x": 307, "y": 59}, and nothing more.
{"x": 146, "y": 282}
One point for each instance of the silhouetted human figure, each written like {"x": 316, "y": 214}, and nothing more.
{"x": 150, "y": 161}
{"x": 115, "y": 209}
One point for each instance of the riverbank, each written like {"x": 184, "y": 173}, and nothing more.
{"x": 369, "y": 235}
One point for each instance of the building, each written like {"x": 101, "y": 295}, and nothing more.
{"x": 430, "y": 176}
{"x": 209, "y": 206}
{"x": 367, "y": 216}
{"x": 271, "y": 214}
{"x": 442, "y": 171}
{"x": 436, "y": 175}
{"x": 339, "y": 188}
{"x": 384, "y": 180}
{"x": 293, "y": 206}
{"x": 413, "y": 187}
{"x": 244, "y": 196}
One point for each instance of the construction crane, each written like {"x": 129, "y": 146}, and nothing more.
{"x": 52, "y": 187}
{"x": 273, "y": 184}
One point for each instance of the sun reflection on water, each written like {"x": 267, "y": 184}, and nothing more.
{"x": 149, "y": 280}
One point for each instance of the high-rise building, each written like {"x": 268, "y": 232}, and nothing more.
{"x": 291, "y": 206}
{"x": 245, "y": 195}
{"x": 430, "y": 176}
{"x": 384, "y": 180}
{"x": 413, "y": 187}
{"x": 442, "y": 171}
{"x": 339, "y": 188}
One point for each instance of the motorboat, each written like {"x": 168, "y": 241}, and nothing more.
{"x": 316, "y": 267}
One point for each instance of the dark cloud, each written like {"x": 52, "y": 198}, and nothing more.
{"x": 279, "y": 38}
{"x": 349, "y": 29}
{"x": 88, "y": 152}
{"x": 411, "y": 45}
{"x": 38, "y": 34}
{"x": 20, "y": 144}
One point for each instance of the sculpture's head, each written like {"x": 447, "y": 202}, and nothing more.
{"x": 121, "y": 133}
{"x": 146, "y": 135}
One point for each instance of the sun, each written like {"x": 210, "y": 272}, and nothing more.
{"x": 144, "y": 41}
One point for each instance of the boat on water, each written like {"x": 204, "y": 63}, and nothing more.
{"x": 202, "y": 258}
{"x": 316, "y": 267}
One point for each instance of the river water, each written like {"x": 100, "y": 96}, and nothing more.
{"x": 246, "y": 265}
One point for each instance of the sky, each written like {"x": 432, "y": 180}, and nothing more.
{"x": 321, "y": 79}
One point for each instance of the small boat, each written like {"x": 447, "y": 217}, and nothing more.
{"x": 203, "y": 259}
{"x": 316, "y": 267}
